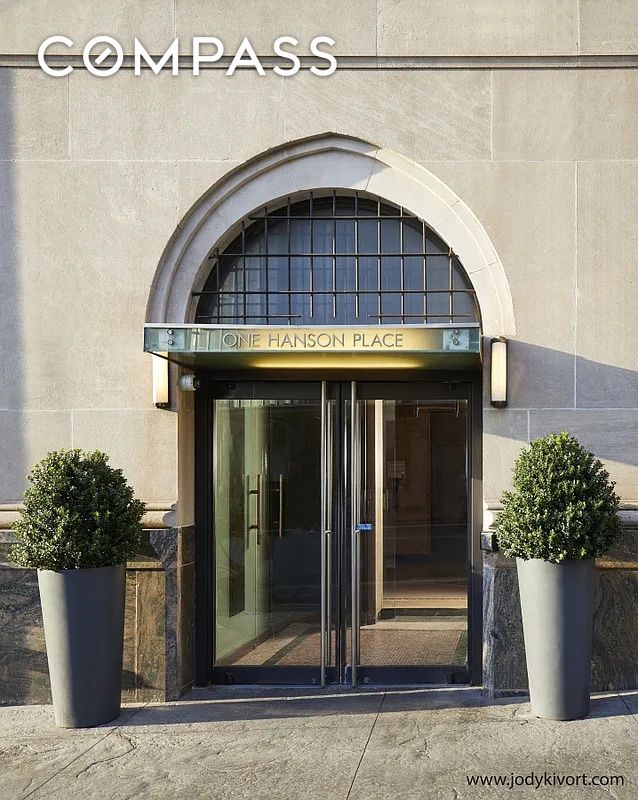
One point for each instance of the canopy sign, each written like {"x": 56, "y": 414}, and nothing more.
{"x": 267, "y": 345}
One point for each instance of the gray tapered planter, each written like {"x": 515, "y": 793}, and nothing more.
{"x": 557, "y": 603}
{"x": 83, "y": 612}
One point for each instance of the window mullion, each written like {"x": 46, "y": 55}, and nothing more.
{"x": 242, "y": 291}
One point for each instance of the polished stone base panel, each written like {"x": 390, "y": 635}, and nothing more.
{"x": 24, "y": 673}
{"x": 615, "y": 645}
{"x": 159, "y": 624}
{"x": 158, "y": 628}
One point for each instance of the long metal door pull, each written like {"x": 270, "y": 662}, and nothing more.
{"x": 280, "y": 529}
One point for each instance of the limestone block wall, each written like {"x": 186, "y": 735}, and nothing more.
{"x": 527, "y": 111}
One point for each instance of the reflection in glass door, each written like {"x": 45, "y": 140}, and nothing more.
{"x": 299, "y": 555}
{"x": 268, "y": 540}
{"x": 241, "y": 511}
{"x": 409, "y": 538}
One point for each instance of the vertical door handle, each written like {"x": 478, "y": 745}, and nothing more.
{"x": 325, "y": 529}
{"x": 324, "y": 536}
{"x": 253, "y": 526}
{"x": 247, "y": 524}
{"x": 328, "y": 532}
{"x": 261, "y": 506}
{"x": 280, "y": 530}
{"x": 354, "y": 521}
{"x": 328, "y": 633}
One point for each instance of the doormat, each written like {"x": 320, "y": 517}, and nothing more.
{"x": 386, "y": 648}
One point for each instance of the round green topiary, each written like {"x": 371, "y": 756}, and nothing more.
{"x": 79, "y": 512}
{"x": 563, "y": 505}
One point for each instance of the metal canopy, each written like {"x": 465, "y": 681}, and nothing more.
{"x": 444, "y": 346}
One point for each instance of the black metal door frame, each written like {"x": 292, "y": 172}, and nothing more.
{"x": 453, "y": 385}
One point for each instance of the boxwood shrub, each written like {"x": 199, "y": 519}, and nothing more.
{"x": 79, "y": 512}
{"x": 563, "y": 505}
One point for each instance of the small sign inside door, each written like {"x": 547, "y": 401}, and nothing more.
{"x": 396, "y": 469}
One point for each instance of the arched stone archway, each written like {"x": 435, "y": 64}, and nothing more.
{"x": 331, "y": 162}
{"x": 327, "y": 162}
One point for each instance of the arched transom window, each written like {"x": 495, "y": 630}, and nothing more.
{"x": 336, "y": 259}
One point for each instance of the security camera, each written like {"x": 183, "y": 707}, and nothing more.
{"x": 189, "y": 383}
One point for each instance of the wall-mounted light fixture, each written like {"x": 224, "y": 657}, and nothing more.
{"x": 498, "y": 385}
{"x": 160, "y": 380}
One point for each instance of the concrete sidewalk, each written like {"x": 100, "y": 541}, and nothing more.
{"x": 308, "y": 744}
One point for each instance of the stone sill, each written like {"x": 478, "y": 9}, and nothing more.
{"x": 147, "y": 558}
{"x": 130, "y": 565}
{"x": 602, "y": 564}
{"x": 158, "y": 515}
{"x": 628, "y": 514}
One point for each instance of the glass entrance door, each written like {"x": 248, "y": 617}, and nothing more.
{"x": 269, "y": 515}
{"x": 341, "y": 532}
{"x": 410, "y": 514}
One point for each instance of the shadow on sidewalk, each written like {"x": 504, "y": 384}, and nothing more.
{"x": 237, "y": 704}
{"x": 227, "y": 704}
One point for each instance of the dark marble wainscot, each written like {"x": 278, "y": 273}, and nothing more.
{"x": 615, "y": 645}
{"x": 185, "y": 627}
{"x": 150, "y": 620}
{"x": 151, "y": 669}
{"x": 24, "y": 673}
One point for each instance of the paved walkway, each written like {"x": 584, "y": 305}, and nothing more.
{"x": 307, "y": 744}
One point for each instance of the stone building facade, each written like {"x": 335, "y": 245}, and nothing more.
{"x": 508, "y": 130}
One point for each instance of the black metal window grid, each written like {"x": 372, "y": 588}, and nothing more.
{"x": 336, "y": 259}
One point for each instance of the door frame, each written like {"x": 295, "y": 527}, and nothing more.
{"x": 205, "y": 590}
